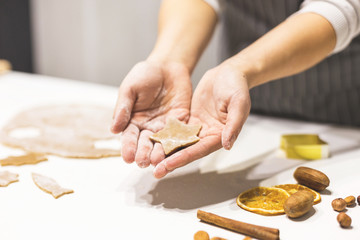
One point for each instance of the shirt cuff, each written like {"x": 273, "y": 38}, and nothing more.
{"x": 336, "y": 18}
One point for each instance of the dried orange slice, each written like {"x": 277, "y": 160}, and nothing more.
{"x": 293, "y": 188}
{"x": 263, "y": 200}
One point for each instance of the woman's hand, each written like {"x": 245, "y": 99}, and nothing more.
{"x": 221, "y": 104}
{"x": 149, "y": 94}
{"x": 160, "y": 87}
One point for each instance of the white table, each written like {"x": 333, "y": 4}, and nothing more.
{"x": 114, "y": 200}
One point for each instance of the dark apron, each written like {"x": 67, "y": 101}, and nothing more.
{"x": 328, "y": 92}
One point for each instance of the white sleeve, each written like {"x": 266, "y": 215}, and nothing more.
{"x": 343, "y": 15}
{"x": 214, "y": 4}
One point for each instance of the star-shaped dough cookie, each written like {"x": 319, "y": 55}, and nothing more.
{"x": 176, "y": 135}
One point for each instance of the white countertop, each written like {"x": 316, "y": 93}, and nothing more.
{"x": 114, "y": 200}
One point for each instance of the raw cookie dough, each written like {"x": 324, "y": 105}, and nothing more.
{"x": 29, "y": 158}
{"x": 64, "y": 130}
{"x": 7, "y": 177}
{"x": 176, "y": 135}
{"x": 49, "y": 185}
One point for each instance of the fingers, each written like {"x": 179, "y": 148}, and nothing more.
{"x": 157, "y": 154}
{"x": 137, "y": 146}
{"x": 238, "y": 111}
{"x": 144, "y": 149}
{"x": 198, "y": 150}
{"x": 123, "y": 109}
{"x": 129, "y": 142}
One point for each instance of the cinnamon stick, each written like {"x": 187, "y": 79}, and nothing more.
{"x": 255, "y": 231}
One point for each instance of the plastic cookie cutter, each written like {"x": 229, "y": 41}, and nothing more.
{"x": 304, "y": 146}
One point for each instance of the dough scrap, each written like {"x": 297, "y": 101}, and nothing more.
{"x": 5, "y": 66}
{"x": 175, "y": 135}
{"x": 64, "y": 130}
{"x": 49, "y": 185}
{"x": 7, "y": 177}
{"x": 28, "y": 158}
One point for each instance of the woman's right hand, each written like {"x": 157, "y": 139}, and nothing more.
{"x": 150, "y": 93}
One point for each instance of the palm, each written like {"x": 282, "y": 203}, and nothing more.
{"x": 166, "y": 95}
{"x": 210, "y": 111}
{"x": 204, "y": 110}
{"x": 149, "y": 95}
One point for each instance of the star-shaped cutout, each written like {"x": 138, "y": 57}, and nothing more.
{"x": 176, "y": 135}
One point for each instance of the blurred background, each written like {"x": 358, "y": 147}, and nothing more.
{"x": 88, "y": 40}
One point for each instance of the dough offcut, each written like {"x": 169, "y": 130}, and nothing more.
{"x": 49, "y": 185}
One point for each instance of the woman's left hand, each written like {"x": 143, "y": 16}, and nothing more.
{"x": 221, "y": 104}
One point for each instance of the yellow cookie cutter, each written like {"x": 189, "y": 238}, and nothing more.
{"x": 304, "y": 146}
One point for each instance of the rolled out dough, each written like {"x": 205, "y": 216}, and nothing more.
{"x": 64, "y": 130}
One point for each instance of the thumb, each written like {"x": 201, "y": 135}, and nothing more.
{"x": 122, "y": 111}
{"x": 238, "y": 111}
